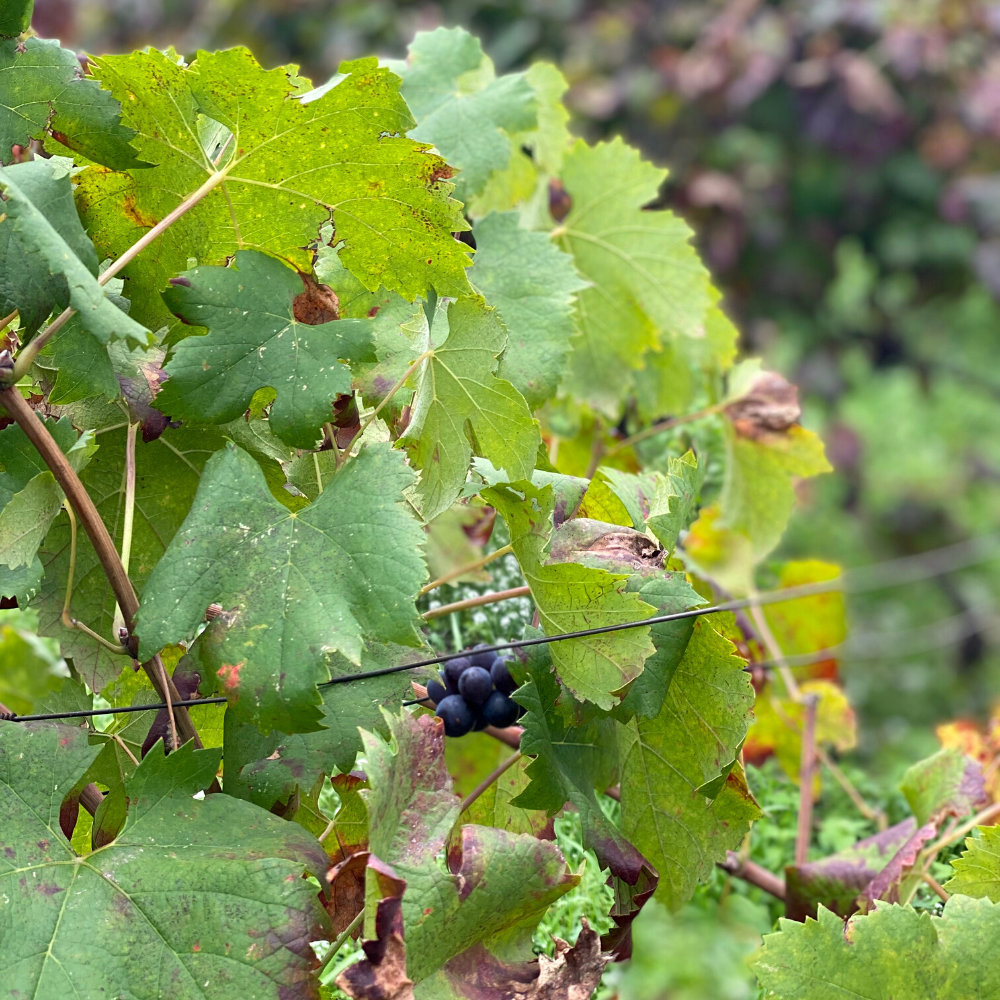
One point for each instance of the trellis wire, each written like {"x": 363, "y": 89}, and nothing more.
{"x": 893, "y": 572}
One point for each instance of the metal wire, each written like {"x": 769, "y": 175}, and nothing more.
{"x": 908, "y": 569}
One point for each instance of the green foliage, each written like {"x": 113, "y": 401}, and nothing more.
{"x": 684, "y": 798}
{"x": 213, "y": 378}
{"x": 463, "y": 109}
{"x": 73, "y": 910}
{"x": 271, "y": 673}
{"x": 340, "y": 395}
{"x": 647, "y": 281}
{"x": 977, "y": 871}
{"x": 893, "y": 951}
{"x": 459, "y": 403}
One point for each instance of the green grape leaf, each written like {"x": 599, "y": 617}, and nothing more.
{"x": 567, "y": 491}
{"x": 572, "y": 758}
{"x": 496, "y": 885}
{"x": 645, "y": 275}
{"x": 22, "y": 583}
{"x": 15, "y": 17}
{"x": 977, "y": 871}
{"x": 46, "y": 250}
{"x": 256, "y": 340}
{"x": 462, "y": 107}
{"x": 22, "y": 462}
{"x": 572, "y": 597}
{"x": 45, "y": 94}
{"x": 946, "y": 784}
{"x": 675, "y": 499}
{"x": 84, "y": 367}
{"x": 29, "y": 505}
{"x": 176, "y": 458}
{"x": 242, "y": 870}
{"x": 270, "y": 568}
{"x": 282, "y": 762}
{"x": 668, "y": 593}
{"x": 532, "y": 284}
{"x": 26, "y": 519}
{"x": 460, "y": 405}
{"x": 692, "y": 743}
{"x": 30, "y": 668}
{"x": 27, "y": 283}
{"x": 79, "y": 364}
{"x": 284, "y": 167}
{"x": 893, "y": 951}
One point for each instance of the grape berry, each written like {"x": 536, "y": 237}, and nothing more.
{"x": 473, "y": 693}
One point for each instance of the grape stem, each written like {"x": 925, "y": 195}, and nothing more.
{"x": 29, "y": 352}
{"x": 83, "y": 505}
{"x": 493, "y": 597}
{"x": 331, "y": 952}
{"x": 467, "y": 568}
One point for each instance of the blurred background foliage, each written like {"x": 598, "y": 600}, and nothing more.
{"x": 839, "y": 161}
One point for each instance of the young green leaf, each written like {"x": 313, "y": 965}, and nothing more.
{"x": 645, "y": 274}
{"x": 460, "y": 406}
{"x": 977, "y": 871}
{"x": 254, "y": 340}
{"x": 532, "y": 284}
{"x": 462, "y": 107}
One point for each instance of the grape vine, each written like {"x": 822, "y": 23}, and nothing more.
{"x": 261, "y": 398}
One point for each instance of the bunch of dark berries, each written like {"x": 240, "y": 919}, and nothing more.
{"x": 475, "y": 692}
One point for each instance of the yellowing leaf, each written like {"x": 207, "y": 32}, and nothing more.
{"x": 281, "y": 169}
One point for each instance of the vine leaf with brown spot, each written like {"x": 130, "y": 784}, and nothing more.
{"x": 486, "y": 899}
{"x": 254, "y": 340}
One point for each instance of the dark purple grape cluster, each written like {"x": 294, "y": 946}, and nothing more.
{"x": 475, "y": 692}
